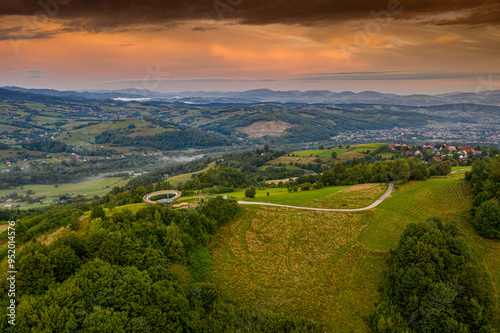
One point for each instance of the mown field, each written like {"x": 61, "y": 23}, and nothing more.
{"x": 329, "y": 197}
{"x": 415, "y": 202}
{"x": 328, "y": 266}
{"x": 175, "y": 180}
{"x": 320, "y": 152}
{"x": 328, "y": 152}
{"x": 459, "y": 168}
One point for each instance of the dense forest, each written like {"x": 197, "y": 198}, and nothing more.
{"x": 434, "y": 284}
{"x": 485, "y": 182}
{"x": 47, "y": 146}
{"x": 217, "y": 177}
{"x": 142, "y": 272}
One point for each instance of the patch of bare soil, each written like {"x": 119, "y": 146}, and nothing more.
{"x": 262, "y": 128}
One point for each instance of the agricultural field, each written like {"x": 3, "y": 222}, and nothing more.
{"x": 325, "y": 155}
{"x": 320, "y": 152}
{"x": 460, "y": 168}
{"x": 328, "y": 152}
{"x": 91, "y": 187}
{"x": 286, "y": 160}
{"x": 86, "y": 136}
{"x": 328, "y": 265}
{"x": 175, "y": 180}
{"x": 363, "y": 148}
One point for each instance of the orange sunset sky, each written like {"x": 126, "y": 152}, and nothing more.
{"x": 233, "y": 45}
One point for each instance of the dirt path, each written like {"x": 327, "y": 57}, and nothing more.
{"x": 373, "y": 205}
{"x": 460, "y": 170}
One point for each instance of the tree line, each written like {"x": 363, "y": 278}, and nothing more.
{"x": 434, "y": 284}
{"x": 484, "y": 179}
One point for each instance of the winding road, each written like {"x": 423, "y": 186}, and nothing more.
{"x": 373, "y": 205}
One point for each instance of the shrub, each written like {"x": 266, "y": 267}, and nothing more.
{"x": 250, "y": 193}
{"x": 305, "y": 187}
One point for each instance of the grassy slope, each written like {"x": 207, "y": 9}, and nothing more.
{"x": 320, "y": 152}
{"x": 457, "y": 168}
{"x": 175, "y": 180}
{"x": 328, "y": 266}
{"x": 328, "y": 197}
{"x": 339, "y": 151}
{"x": 307, "y": 264}
{"x": 414, "y": 202}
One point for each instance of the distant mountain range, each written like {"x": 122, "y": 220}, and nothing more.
{"x": 490, "y": 97}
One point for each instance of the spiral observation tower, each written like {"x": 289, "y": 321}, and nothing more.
{"x": 171, "y": 196}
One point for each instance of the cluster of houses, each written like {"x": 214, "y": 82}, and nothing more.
{"x": 442, "y": 150}
{"x": 71, "y": 156}
{"x": 9, "y": 202}
{"x": 9, "y": 164}
{"x": 462, "y": 151}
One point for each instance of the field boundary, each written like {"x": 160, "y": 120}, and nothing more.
{"x": 373, "y": 205}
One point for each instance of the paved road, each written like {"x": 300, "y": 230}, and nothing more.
{"x": 373, "y": 205}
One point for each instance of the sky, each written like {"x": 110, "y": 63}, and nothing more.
{"x": 405, "y": 47}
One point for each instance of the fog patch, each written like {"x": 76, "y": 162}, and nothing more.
{"x": 180, "y": 158}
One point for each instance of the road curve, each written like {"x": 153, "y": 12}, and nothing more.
{"x": 373, "y": 205}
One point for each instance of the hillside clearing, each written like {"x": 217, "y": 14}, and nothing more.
{"x": 281, "y": 260}
{"x": 327, "y": 266}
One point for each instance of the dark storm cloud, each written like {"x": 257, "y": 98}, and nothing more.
{"x": 21, "y": 33}
{"x": 202, "y": 29}
{"x": 392, "y": 75}
{"x": 35, "y": 73}
{"x": 6, "y": 33}
{"x": 96, "y": 15}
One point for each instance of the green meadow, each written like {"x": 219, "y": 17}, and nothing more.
{"x": 91, "y": 187}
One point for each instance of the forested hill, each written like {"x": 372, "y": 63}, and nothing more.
{"x": 133, "y": 272}
{"x": 319, "y": 122}
{"x": 15, "y": 96}
{"x": 176, "y": 137}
